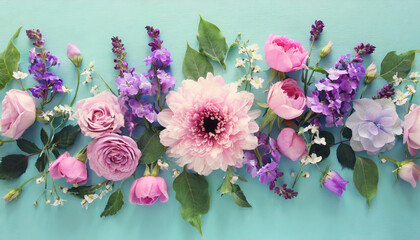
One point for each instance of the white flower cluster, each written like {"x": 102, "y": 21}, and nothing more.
{"x": 313, "y": 132}
{"x": 400, "y": 98}
{"x": 94, "y": 90}
{"x": 251, "y": 57}
{"x": 88, "y": 72}
{"x": 88, "y": 199}
{"x": 19, "y": 75}
{"x": 64, "y": 110}
{"x": 162, "y": 165}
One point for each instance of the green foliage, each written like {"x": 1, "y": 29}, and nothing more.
{"x": 27, "y": 146}
{"x": 9, "y": 61}
{"x": 346, "y": 156}
{"x": 66, "y": 136}
{"x": 150, "y": 146}
{"x": 44, "y": 136}
{"x": 318, "y": 69}
{"x": 13, "y": 166}
{"x": 269, "y": 118}
{"x": 323, "y": 150}
{"x": 393, "y": 63}
{"x": 81, "y": 191}
{"x": 41, "y": 162}
{"x": 114, "y": 204}
{"x": 239, "y": 197}
{"x": 366, "y": 177}
{"x": 195, "y": 64}
{"x": 347, "y": 133}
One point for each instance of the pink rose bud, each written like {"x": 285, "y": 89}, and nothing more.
{"x": 290, "y": 144}
{"x": 287, "y": 99}
{"x": 284, "y": 54}
{"x": 72, "y": 169}
{"x": 19, "y": 113}
{"x": 147, "y": 190}
{"x": 73, "y": 53}
{"x": 326, "y": 50}
{"x": 410, "y": 172}
{"x": 370, "y": 73}
{"x": 411, "y": 135}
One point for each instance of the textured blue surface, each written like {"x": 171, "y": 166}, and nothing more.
{"x": 315, "y": 214}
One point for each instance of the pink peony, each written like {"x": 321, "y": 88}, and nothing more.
{"x": 410, "y": 172}
{"x": 287, "y": 99}
{"x": 72, "y": 169}
{"x": 284, "y": 54}
{"x": 113, "y": 156}
{"x": 99, "y": 115}
{"x": 290, "y": 144}
{"x": 208, "y": 124}
{"x": 412, "y": 129}
{"x": 19, "y": 113}
{"x": 147, "y": 190}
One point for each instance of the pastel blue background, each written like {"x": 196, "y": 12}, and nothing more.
{"x": 315, "y": 214}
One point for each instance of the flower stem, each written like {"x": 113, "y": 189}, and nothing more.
{"x": 106, "y": 84}
{"x": 298, "y": 175}
{"x": 363, "y": 92}
{"x": 77, "y": 88}
{"x": 30, "y": 179}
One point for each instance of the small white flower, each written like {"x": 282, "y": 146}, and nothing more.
{"x": 47, "y": 202}
{"x": 46, "y": 115}
{"x": 257, "y": 82}
{"x": 238, "y": 83}
{"x": 19, "y": 75}
{"x": 88, "y": 73}
{"x": 84, "y": 204}
{"x": 257, "y": 69}
{"x": 319, "y": 141}
{"x": 40, "y": 180}
{"x": 302, "y": 131}
{"x": 103, "y": 193}
{"x": 383, "y": 160}
{"x": 242, "y": 50}
{"x": 292, "y": 174}
{"x": 91, "y": 64}
{"x": 253, "y": 48}
{"x": 66, "y": 89}
{"x": 256, "y": 56}
{"x": 234, "y": 179}
{"x": 240, "y": 62}
{"x": 176, "y": 173}
{"x": 313, "y": 158}
{"x": 306, "y": 175}
{"x": 313, "y": 128}
{"x": 89, "y": 198}
{"x": 397, "y": 80}
{"x": 94, "y": 90}
{"x": 400, "y": 97}
{"x": 65, "y": 190}
{"x": 414, "y": 75}
{"x": 58, "y": 202}
{"x": 108, "y": 187}
{"x": 162, "y": 165}
{"x": 410, "y": 89}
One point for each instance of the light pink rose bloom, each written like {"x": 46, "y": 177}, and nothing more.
{"x": 284, "y": 54}
{"x": 70, "y": 168}
{"x": 99, "y": 115}
{"x": 412, "y": 129}
{"x": 410, "y": 172}
{"x": 147, "y": 190}
{"x": 290, "y": 144}
{"x": 19, "y": 113}
{"x": 287, "y": 99}
{"x": 113, "y": 156}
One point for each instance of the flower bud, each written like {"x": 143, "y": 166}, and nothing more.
{"x": 1, "y": 142}
{"x": 370, "y": 73}
{"x": 326, "y": 50}
{"x": 14, "y": 193}
{"x": 410, "y": 172}
{"x": 73, "y": 53}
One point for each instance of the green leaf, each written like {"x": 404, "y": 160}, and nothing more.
{"x": 195, "y": 64}
{"x": 66, "y": 136}
{"x": 212, "y": 42}
{"x": 393, "y": 63}
{"x": 9, "y": 61}
{"x": 226, "y": 186}
{"x": 191, "y": 190}
{"x": 239, "y": 197}
{"x": 44, "y": 136}
{"x": 27, "y": 146}
{"x": 56, "y": 153}
{"x": 318, "y": 69}
{"x": 232, "y": 46}
{"x": 329, "y": 138}
{"x": 366, "y": 177}
{"x": 261, "y": 104}
{"x": 12, "y": 166}
{"x": 271, "y": 117}
{"x": 346, "y": 156}
{"x": 320, "y": 150}
{"x": 41, "y": 162}
{"x": 347, "y": 133}
{"x": 114, "y": 204}
{"x": 150, "y": 146}
{"x": 81, "y": 191}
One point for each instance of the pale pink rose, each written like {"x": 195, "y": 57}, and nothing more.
{"x": 412, "y": 129}
{"x": 19, "y": 113}
{"x": 410, "y": 172}
{"x": 70, "y": 168}
{"x": 208, "y": 124}
{"x": 286, "y": 99}
{"x": 290, "y": 144}
{"x": 147, "y": 190}
{"x": 99, "y": 115}
{"x": 284, "y": 54}
{"x": 113, "y": 156}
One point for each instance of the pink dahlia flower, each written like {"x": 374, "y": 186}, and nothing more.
{"x": 208, "y": 124}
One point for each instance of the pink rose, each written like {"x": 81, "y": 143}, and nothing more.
{"x": 99, "y": 115}
{"x": 147, "y": 190}
{"x": 73, "y": 53}
{"x": 410, "y": 172}
{"x": 287, "y": 99}
{"x": 19, "y": 113}
{"x": 113, "y": 156}
{"x": 284, "y": 54}
{"x": 290, "y": 144}
{"x": 72, "y": 169}
{"x": 412, "y": 129}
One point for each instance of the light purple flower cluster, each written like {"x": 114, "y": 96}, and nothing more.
{"x": 334, "y": 93}
{"x": 265, "y": 166}
{"x": 387, "y": 91}
{"x": 316, "y": 29}
{"x": 362, "y": 48}
{"x": 40, "y": 62}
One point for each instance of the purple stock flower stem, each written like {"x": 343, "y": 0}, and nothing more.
{"x": 77, "y": 88}
{"x": 306, "y": 72}
{"x": 106, "y": 84}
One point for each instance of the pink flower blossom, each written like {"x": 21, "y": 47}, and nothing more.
{"x": 208, "y": 124}
{"x": 147, "y": 190}
{"x": 410, "y": 172}
{"x": 290, "y": 144}
{"x": 72, "y": 169}
{"x": 412, "y": 129}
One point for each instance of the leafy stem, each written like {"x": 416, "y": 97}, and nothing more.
{"x": 77, "y": 88}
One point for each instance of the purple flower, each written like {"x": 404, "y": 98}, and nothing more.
{"x": 144, "y": 109}
{"x": 286, "y": 192}
{"x": 362, "y": 48}
{"x": 268, "y": 172}
{"x": 251, "y": 162}
{"x": 131, "y": 83}
{"x": 387, "y": 91}
{"x": 316, "y": 30}
{"x": 159, "y": 58}
{"x": 275, "y": 153}
{"x": 166, "y": 80}
{"x": 118, "y": 48}
{"x": 334, "y": 182}
{"x": 130, "y": 122}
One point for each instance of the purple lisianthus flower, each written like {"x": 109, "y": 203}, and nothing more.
{"x": 374, "y": 125}
{"x": 144, "y": 109}
{"x": 268, "y": 172}
{"x": 251, "y": 162}
{"x": 334, "y": 182}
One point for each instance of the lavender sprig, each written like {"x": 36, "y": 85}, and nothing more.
{"x": 362, "y": 48}
{"x": 316, "y": 30}
{"x": 387, "y": 91}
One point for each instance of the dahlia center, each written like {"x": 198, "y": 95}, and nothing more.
{"x": 210, "y": 124}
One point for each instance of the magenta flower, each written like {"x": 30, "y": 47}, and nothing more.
{"x": 334, "y": 182}
{"x": 147, "y": 190}
{"x": 208, "y": 124}
{"x": 70, "y": 168}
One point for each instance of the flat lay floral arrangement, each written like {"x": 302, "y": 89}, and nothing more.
{"x": 208, "y": 123}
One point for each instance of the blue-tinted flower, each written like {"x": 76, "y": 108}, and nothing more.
{"x": 268, "y": 172}
{"x": 374, "y": 125}
{"x": 334, "y": 182}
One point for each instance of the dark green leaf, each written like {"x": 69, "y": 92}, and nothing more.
{"x": 270, "y": 117}
{"x": 9, "y": 61}
{"x": 81, "y": 191}
{"x": 347, "y": 133}
{"x": 56, "y": 153}
{"x": 150, "y": 146}
{"x": 12, "y": 166}
{"x": 212, "y": 42}
{"x": 239, "y": 197}
{"x": 242, "y": 179}
{"x": 318, "y": 69}
{"x": 366, "y": 177}
{"x": 320, "y": 150}
{"x": 191, "y": 190}
{"x": 261, "y": 104}
{"x": 232, "y": 46}
{"x": 393, "y": 63}
{"x": 66, "y": 136}
{"x": 114, "y": 204}
{"x": 346, "y": 156}
{"x": 195, "y": 64}
{"x": 27, "y": 146}
{"x": 41, "y": 162}
{"x": 226, "y": 186}
{"x": 44, "y": 136}
{"x": 329, "y": 138}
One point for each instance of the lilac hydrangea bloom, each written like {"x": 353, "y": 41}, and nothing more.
{"x": 334, "y": 182}
{"x": 374, "y": 125}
